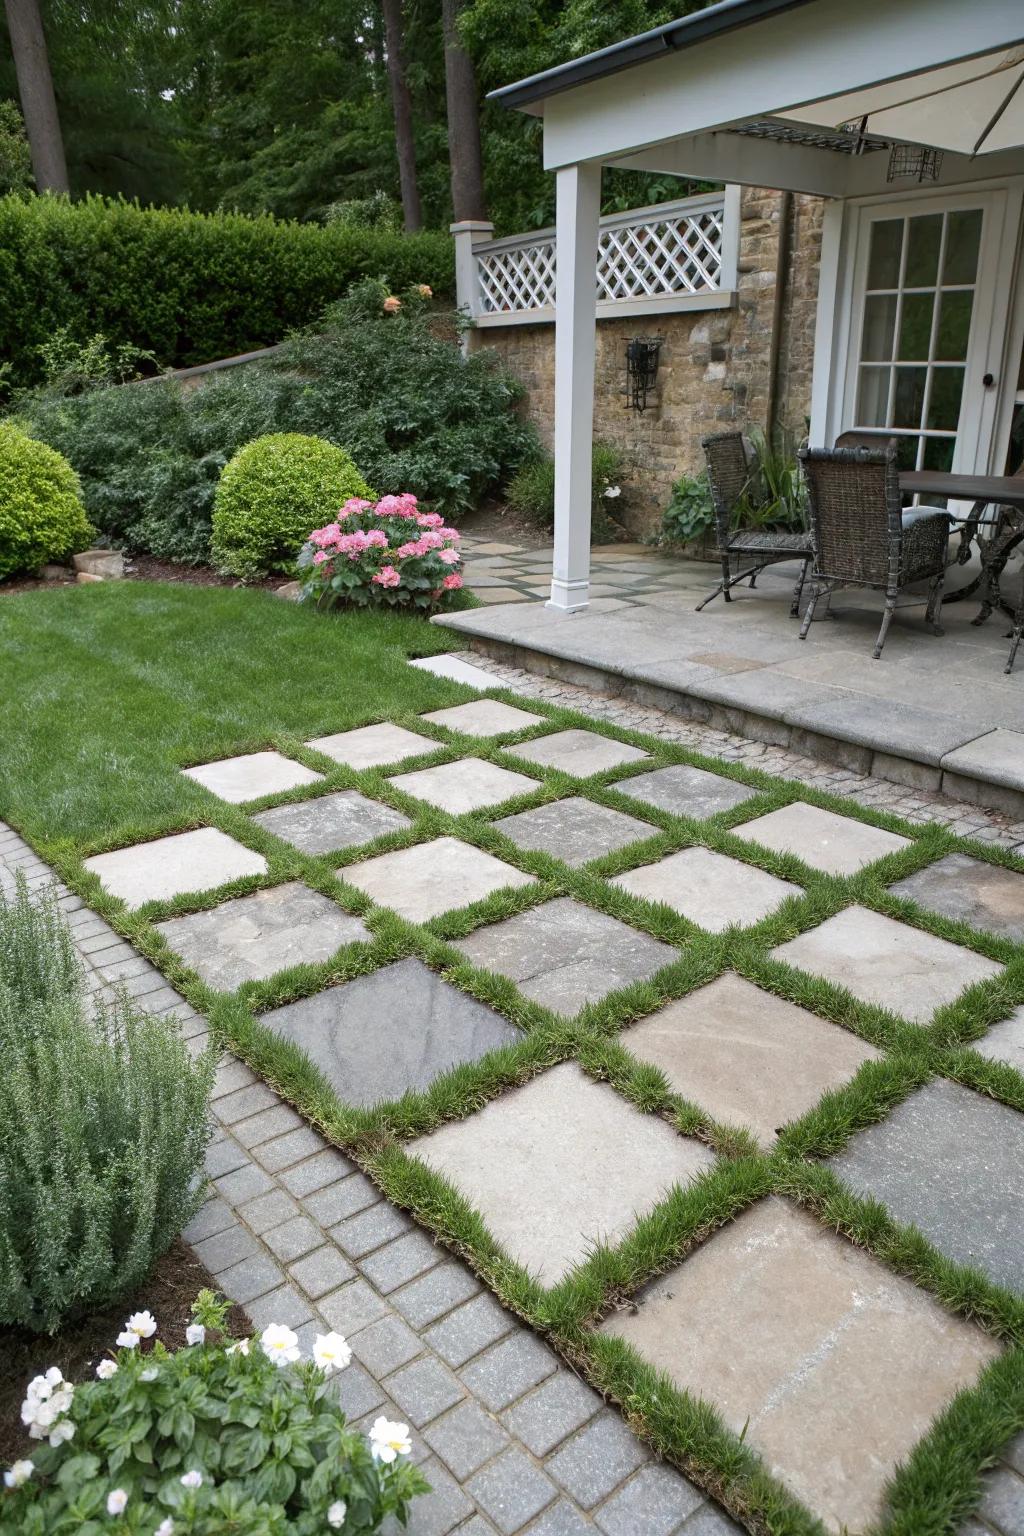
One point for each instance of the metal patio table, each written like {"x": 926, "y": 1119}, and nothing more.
{"x": 1007, "y": 526}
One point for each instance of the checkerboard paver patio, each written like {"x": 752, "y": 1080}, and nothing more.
{"x": 174, "y": 866}
{"x": 237, "y": 779}
{"x": 466, "y": 785}
{"x": 574, "y": 830}
{"x": 711, "y": 889}
{"x": 970, "y": 891}
{"x": 329, "y": 823}
{"x": 430, "y": 878}
{"x": 838, "y": 845}
{"x": 685, "y": 791}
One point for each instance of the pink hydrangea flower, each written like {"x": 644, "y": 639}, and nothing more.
{"x": 320, "y": 557}
{"x": 396, "y": 506}
{"x": 430, "y": 519}
{"x": 452, "y": 582}
{"x": 321, "y": 537}
{"x": 387, "y": 576}
{"x": 449, "y": 556}
{"x": 355, "y": 505}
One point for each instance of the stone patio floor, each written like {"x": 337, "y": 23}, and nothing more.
{"x": 785, "y": 1326}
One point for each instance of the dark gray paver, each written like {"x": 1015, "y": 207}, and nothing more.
{"x": 293, "y": 1238}
{"x": 385, "y": 1345}
{"x": 268, "y": 1210}
{"x": 432, "y": 1027}
{"x": 316, "y": 1172}
{"x": 370, "y": 1229}
{"x": 246, "y": 1101}
{"x": 250, "y": 1278}
{"x": 952, "y": 1162}
{"x": 357, "y": 1391}
{"x": 354, "y": 1306}
{"x": 970, "y": 891}
{"x": 562, "y": 1519}
{"x": 465, "y": 1438}
{"x": 557, "y": 1408}
{"x": 597, "y": 1459}
{"x": 283, "y": 1151}
{"x": 438, "y": 1512}
{"x": 212, "y": 1217}
{"x": 224, "y": 1157}
{"x": 653, "y": 1503}
{"x": 265, "y": 1125}
{"x": 401, "y": 1260}
{"x": 684, "y": 791}
{"x": 574, "y": 830}
{"x": 508, "y": 1370}
{"x": 345, "y": 1198}
{"x": 710, "y": 1521}
{"x": 467, "y": 1331}
{"x": 244, "y": 1184}
{"x": 226, "y": 1248}
{"x": 434, "y": 1294}
{"x": 1002, "y": 1502}
{"x": 512, "y": 1490}
{"x": 424, "y": 1389}
{"x": 564, "y": 955}
{"x": 255, "y": 936}
{"x": 321, "y": 1271}
{"x": 282, "y": 1305}
{"x": 341, "y": 820}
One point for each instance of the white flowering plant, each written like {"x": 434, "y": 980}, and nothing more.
{"x": 222, "y": 1435}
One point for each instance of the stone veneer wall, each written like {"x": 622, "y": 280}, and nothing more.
{"x": 714, "y": 368}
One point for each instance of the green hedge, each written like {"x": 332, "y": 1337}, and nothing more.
{"x": 190, "y": 287}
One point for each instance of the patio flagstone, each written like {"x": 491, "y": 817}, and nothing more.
{"x": 887, "y": 963}
{"x": 483, "y": 717}
{"x": 581, "y": 753}
{"x": 174, "y": 866}
{"x": 371, "y": 746}
{"x": 952, "y": 1162}
{"x": 574, "y": 830}
{"x": 456, "y": 670}
{"x": 255, "y": 936}
{"x": 563, "y": 954}
{"x": 236, "y": 779}
{"x": 970, "y": 891}
{"x": 430, "y": 878}
{"x": 560, "y": 1164}
{"x": 391, "y": 1032}
{"x": 830, "y": 1365}
{"x": 709, "y": 888}
{"x": 684, "y": 791}
{"x": 1005, "y": 1041}
{"x": 836, "y": 844}
{"x": 746, "y": 1056}
{"x": 342, "y": 820}
{"x": 466, "y": 785}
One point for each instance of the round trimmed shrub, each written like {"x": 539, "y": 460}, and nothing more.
{"x": 271, "y": 494}
{"x": 42, "y": 515}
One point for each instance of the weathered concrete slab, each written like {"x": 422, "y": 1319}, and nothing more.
{"x": 747, "y": 1057}
{"x": 248, "y": 778}
{"x": 464, "y": 786}
{"x": 574, "y": 830}
{"x": 709, "y": 888}
{"x": 431, "y": 1027}
{"x": 431, "y": 878}
{"x": 563, "y": 954}
{"x": 970, "y": 891}
{"x": 952, "y": 1162}
{"x": 560, "y": 1164}
{"x": 172, "y": 866}
{"x": 483, "y": 717}
{"x": 342, "y": 820}
{"x": 1005, "y": 1041}
{"x": 997, "y": 756}
{"x": 581, "y": 753}
{"x": 456, "y": 669}
{"x": 684, "y": 791}
{"x": 887, "y": 963}
{"x": 256, "y": 936}
{"x": 839, "y": 845}
{"x": 830, "y": 1365}
{"x": 372, "y": 746}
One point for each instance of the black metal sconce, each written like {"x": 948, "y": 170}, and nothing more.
{"x": 913, "y": 162}
{"x": 641, "y": 370}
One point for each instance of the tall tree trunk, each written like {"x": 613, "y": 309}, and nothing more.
{"x": 401, "y": 105}
{"x": 35, "y": 87}
{"x": 463, "y": 120}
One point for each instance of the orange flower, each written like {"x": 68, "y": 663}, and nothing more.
{"x": 392, "y": 305}
{"x": 425, "y": 292}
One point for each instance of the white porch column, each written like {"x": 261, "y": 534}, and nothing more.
{"x": 578, "y": 202}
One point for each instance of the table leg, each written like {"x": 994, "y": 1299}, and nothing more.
{"x": 994, "y": 557}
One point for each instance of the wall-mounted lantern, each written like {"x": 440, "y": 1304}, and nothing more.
{"x": 641, "y": 370}
{"x": 913, "y": 162}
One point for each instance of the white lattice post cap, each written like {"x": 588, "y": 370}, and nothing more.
{"x": 468, "y": 233}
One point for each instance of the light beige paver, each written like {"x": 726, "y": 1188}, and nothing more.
{"x": 423, "y": 881}
{"x": 887, "y": 963}
{"x": 467, "y": 785}
{"x": 172, "y": 866}
{"x": 247, "y": 778}
{"x": 836, "y": 844}
{"x": 559, "y": 1165}
{"x": 455, "y": 669}
{"x": 747, "y": 1057}
{"x": 483, "y": 717}
{"x": 580, "y": 753}
{"x": 709, "y": 888}
{"x": 832, "y": 1366}
{"x": 371, "y": 746}
{"x": 1005, "y": 1041}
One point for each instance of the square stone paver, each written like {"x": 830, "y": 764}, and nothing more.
{"x": 431, "y": 878}
{"x": 483, "y": 717}
{"x": 709, "y": 888}
{"x": 467, "y": 785}
{"x": 952, "y": 1162}
{"x": 371, "y": 746}
{"x": 457, "y": 671}
{"x": 342, "y": 820}
{"x": 560, "y": 1164}
{"x": 970, "y": 891}
{"x": 391, "y": 1032}
{"x": 831, "y": 1366}
{"x": 1005, "y": 1041}
{"x": 747, "y": 1057}
{"x": 574, "y": 830}
{"x": 837, "y": 844}
{"x": 256, "y": 936}
{"x": 581, "y": 753}
{"x": 563, "y": 954}
{"x": 247, "y": 778}
{"x": 172, "y": 866}
{"x": 887, "y": 963}
{"x": 684, "y": 791}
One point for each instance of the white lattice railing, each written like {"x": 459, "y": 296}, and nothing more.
{"x": 672, "y": 256}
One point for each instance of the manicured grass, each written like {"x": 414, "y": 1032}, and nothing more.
{"x": 111, "y": 691}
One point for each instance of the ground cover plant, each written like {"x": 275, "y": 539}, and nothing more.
{"x": 198, "y": 720}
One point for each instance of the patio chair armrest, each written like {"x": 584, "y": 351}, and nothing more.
{"x": 925, "y": 543}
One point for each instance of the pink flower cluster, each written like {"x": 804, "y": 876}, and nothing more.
{"x": 367, "y": 550}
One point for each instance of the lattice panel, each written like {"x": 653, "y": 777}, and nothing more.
{"x": 521, "y": 278}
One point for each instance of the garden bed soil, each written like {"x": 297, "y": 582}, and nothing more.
{"x": 172, "y": 1287}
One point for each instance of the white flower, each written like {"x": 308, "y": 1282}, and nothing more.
{"x": 65, "y": 1430}
{"x": 611, "y": 491}
{"x": 116, "y": 1501}
{"x": 195, "y": 1333}
{"x": 239, "y": 1347}
{"x": 165, "y": 1528}
{"x": 106, "y": 1369}
{"x": 21, "y": 1471}
{"x": 336, "y": 1514}
{"x": 388, "y": 1440}
{"x": 331, "y": 1352}
{"x": 141, "y": 1323}
{"x": 127, "y": 1340}
{"x": 191, "y": 1480}
{"x": 279, "y": 1344}
{"x": 149, "y": 1375}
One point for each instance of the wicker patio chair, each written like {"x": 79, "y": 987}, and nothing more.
{"x": 732, "y": 474}
{"x": 861, "y": 538}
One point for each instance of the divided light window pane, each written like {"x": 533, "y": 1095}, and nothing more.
{"x": 963, "y": 243}
{"x": 954, "y": 330}
{"x": 884, "y": 258}
{"x": 879, "y": 327}
{"x": 873, "y": 397}
{"x": 924, "y": 236}
{"x": 916, "y": 327}
{"x": 908, "y": 406}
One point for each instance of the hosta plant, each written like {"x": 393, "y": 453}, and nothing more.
{"x": 387, "y": 552}
{"x": 220, "y": 1436}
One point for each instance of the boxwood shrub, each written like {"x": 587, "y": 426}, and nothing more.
{"x": 42, "y": 515}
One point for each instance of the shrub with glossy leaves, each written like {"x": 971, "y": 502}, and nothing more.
{"x": 271, "y": 493}
{"x": 42, "y": 515}
{"x": 531, "y": 491}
